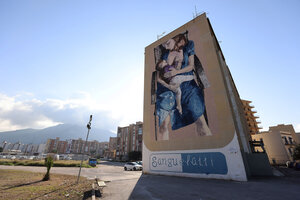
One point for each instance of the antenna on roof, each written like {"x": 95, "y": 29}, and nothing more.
{"x": 196, "y": 14}
{"x": 159, "y": 36}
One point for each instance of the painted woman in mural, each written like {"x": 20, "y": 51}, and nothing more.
{"x": 173, "y": 83}
{"x": 189, "y": 90}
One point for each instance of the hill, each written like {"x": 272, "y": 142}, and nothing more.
{"x": 63, "y": 131}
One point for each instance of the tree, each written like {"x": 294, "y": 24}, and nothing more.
{"x": 1, "y": 149}
{"x": 296, "y": 154}
{"x": 48, "y": 164}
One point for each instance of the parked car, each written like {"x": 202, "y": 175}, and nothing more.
{"x": 139, "y": 162}
{"x": 132, "y": 166}
{"x": 289, "y": 164}
{"x": 93, "y": 162}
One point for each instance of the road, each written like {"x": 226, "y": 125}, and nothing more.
{"x": 107, "y": 171}
{"x": 134, "y": 185}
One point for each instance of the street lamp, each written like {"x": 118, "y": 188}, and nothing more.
{"x": 82, "y": 154}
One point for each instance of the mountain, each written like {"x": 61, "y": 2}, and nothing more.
{"x": 63, "y": 131}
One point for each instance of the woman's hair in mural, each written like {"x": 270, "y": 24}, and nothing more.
{"x": 160, "y": 50}
{"x": 179, "y": 37}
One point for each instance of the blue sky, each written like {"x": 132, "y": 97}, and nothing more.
{"x": 61, "y": 61}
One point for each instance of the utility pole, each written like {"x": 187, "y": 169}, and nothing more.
{"x": 82, "y": 153}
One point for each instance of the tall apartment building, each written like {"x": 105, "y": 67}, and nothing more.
{"x": 279, "y": 143}
{"x": 251, "y": 119}
{"x": 76, "y": 146}
{"x": 62, "y": 147}
{"x": 129, "y": 139}
{"x": 51, "y": 145}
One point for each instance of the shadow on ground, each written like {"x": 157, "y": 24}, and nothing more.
{"x": 167, "y": 187}
{"x": 24, "y": 184}
{"x": 112, "y": 163}
{"x": 90, "y": 193}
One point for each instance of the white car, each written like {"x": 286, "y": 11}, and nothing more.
{"x": 132, "y": 166}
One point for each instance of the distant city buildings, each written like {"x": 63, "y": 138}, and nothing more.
{"x": 25, "y": 149}
{"x": 72, "y": 146}
{"x": 93, "y": 148}
{"x": 129, "y": 139}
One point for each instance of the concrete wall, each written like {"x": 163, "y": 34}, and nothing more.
{"x": 274, "y": 146}
{"x": 258, "y": 164}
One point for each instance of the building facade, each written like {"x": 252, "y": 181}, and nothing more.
{"x": 251, "y": 119}
{"x": 22, "y": 149}
{"x": 73, "y": 146}
{"x": 279, "y": 143}
{"x": 129, "y": 139}
{"x": 112, "y": 147}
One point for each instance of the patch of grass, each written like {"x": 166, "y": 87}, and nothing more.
{"x": 58, "y": 163}
{"x": 15, "y": 184}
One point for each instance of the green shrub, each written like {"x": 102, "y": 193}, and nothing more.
{"x": 48, "y": 164}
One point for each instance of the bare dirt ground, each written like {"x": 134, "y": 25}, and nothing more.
{"x": 119, "y": 183}
{"x": 16, "y": 184}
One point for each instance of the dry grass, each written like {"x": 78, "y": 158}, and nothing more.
{"x": 57, "y": 163}
{"x": 15, "y": 184}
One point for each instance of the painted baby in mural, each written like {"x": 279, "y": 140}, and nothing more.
{"x": 174, "y": 61}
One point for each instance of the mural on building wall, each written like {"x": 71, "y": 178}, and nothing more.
{"x": 178, "y": 84}
{"x": 185, "y": 94}
{"x": 189, "y": 127}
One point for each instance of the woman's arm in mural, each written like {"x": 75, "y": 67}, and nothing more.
{"x": 188, "y": 68}
{"x": 170, "y": 87}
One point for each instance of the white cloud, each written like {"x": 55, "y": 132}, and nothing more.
{"x": 17, "y": 113}
{"x": 297, "y": 128}
{"x": 5, "y": 125}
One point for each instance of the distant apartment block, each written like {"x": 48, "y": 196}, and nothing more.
{"x": 251, "y": 119}
{"x": 24, "y": 149}
{"x": 129, "y": 138}
{"x": 113, "y": 143}
{"x": 279, "y": 143}
{"x": 112, "y": 148}
{"x": 74, "y": 146}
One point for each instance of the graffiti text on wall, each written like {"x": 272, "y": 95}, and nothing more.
{"x": 208, "y": 163}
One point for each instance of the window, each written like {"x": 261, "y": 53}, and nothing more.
{"x": 285, "y": 140}
{"x": 140, "y": 131}
{"x": 291, "y": 140}
{"x": 291, "y": 151}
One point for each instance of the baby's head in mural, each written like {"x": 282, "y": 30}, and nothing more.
{"x": 161, "y": 64}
